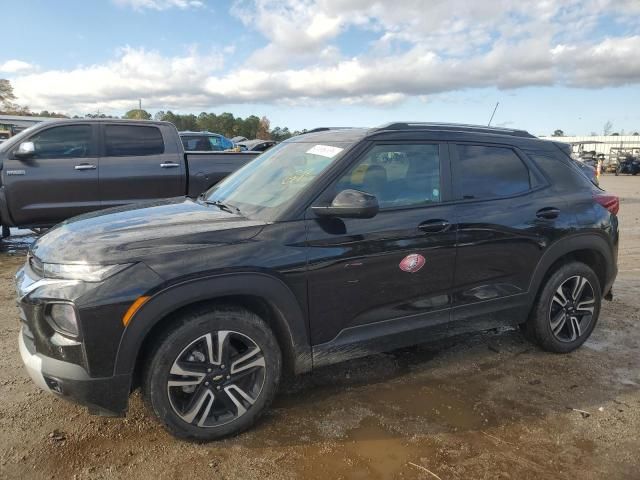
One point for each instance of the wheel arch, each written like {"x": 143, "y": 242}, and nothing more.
{"x": 263, "y": 294}
{"x": 589, "y": 248}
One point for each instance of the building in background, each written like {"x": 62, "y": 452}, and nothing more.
{"x": 609, "y": 145}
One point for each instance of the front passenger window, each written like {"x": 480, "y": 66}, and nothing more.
{"x": 398, "y": 175}
{"x": 72, "y": 141}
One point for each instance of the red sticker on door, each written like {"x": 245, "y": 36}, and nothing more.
{"x": 412, "y": 263}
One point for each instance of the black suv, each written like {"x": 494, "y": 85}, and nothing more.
{"x": 332, "y": 245}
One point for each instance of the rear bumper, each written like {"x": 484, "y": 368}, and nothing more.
{"x": 104, "y": 396}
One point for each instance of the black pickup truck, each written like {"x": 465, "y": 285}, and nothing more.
{"x": 56, "y": 170}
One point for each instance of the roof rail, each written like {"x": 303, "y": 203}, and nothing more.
{"x": 451, "y": 126}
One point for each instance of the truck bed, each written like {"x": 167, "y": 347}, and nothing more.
{"x": 208, "y": 168}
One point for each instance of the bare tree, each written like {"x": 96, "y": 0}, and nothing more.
{"x": 608, "y": 128}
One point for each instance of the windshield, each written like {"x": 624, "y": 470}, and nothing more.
{"x": 268, "y": 185}
{"x": 6, "y": 145}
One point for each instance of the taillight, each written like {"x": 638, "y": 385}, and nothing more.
{"x": 608, "y": 201}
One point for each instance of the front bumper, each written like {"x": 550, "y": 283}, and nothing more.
{"x": 104, "y": 396}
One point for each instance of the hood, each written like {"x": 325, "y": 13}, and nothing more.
{"x": 130, "y": 233}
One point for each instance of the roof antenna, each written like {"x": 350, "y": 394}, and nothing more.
{"x": 494, "y": 112}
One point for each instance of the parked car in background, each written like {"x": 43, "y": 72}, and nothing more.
{"x": 628, "y": 163}
{"x": 256, "y": 145}
{"x": 330, "y": 246}
{"x": 62, "y": 168}
{"x": 205, "y": 142}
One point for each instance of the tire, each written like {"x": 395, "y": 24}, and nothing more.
{"x": 6, "y": 232}
{"x": 563, "y": 328}
{"x": 199, "y": 394}
{"x": 617, "y": 171}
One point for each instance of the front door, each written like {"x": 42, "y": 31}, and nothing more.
{"x": 58, "y": 181}
{"x": 135, "y": 166}
{"x": 385, "y": 279}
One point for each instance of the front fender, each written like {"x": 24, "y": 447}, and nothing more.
{"x": 290, "y": 316}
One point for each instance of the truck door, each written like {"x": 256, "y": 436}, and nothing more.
{"x": 59, "y": 180}
{"x": 138, "y": 164}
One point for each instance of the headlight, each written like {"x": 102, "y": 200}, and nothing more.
{"x": 81, "y": 271}
{"x": 62, "y": 317}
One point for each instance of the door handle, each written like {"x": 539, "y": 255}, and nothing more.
{"x": 85, "y": 166}
{"x": 548, "y": 213}
{"x": 434, "y": 226}
{"x": 169, "y": 165}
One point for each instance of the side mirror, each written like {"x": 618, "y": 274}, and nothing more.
{"x": 25, "y": 150}
{"x": 350, "y": 204}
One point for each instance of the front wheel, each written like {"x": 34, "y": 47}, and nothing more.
{"x": 567, "y": 309}
{"x": 214, "y": 374}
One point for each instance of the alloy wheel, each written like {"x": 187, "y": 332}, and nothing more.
{"x": 572, "y": 308}
{"x": 216, "y": 379}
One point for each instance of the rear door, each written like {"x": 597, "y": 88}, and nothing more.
{"x": 138, "y": 164}
{"x": 506, "y": 217}
{"x": 385, "y": 278}
{"x": 59, "y": 181}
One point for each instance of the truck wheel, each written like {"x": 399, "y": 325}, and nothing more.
{"x": 213, "y": 374}
{"x": 567, "y": 309}
{"x": 6, "y": 232}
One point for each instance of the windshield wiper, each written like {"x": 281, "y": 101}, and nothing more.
{"x": 223, "y": 206}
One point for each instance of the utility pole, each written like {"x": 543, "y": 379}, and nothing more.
{"x": 139, "y": 104}
{"x": 494, "y": 112}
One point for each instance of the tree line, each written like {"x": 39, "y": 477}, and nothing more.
{"x": 225, "y": 123}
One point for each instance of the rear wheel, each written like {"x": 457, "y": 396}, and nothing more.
{"x": 214, "y": 374}
{"x": 567, "y": 309}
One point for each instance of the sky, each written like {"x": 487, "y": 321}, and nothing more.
{"x": 565, "y": 64}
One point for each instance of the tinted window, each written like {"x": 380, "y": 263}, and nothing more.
{"x": 132, "y": 140}
{"x": 72, "y": 141}
{"x": 398, "y": 175}
{"x": 489, "y": 172}
{"x": 196, "y": 144}
{"x": 563, "y": 177}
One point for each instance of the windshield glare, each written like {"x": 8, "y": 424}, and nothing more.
{"x": 270, "y": 183}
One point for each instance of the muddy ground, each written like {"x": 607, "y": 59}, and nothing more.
{"x": 483, "y": 406}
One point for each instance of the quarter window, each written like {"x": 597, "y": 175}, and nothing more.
{"x": 398, "y": 175}
{"x": 132, "y": 140}
{"x": 72, "y": 141}
{"x": 489, "y": 172}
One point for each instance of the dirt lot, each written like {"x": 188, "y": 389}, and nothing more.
{"x": 483, "y": 406}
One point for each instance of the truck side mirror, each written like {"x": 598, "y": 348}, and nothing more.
{"x": 25, "y": 150}
{"x": 350, "y": 204}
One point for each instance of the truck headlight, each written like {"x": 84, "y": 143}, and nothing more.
{"x": 81, "y": 271}
{"x": 62, "y": 317}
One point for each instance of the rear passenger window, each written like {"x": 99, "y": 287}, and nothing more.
{"x": 489, "y": 172}
{"x": 132, "y": 140}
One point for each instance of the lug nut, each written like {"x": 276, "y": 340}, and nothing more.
{"x": 218, "y": 387}
{"x": 206, "y": 384}
{"x": 228, "y": 377}
{"x": 208, "y": 370}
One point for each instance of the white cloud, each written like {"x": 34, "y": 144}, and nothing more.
{"x": 420, "y": 48}
{"x": 15, "y": 66}
{"x": 159, "y": 4}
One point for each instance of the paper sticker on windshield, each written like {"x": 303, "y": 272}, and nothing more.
{"x": 325, "y": 150}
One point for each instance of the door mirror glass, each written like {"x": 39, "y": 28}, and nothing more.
{"x": 350, "y": 204}
{"x": 25, "y": 150}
